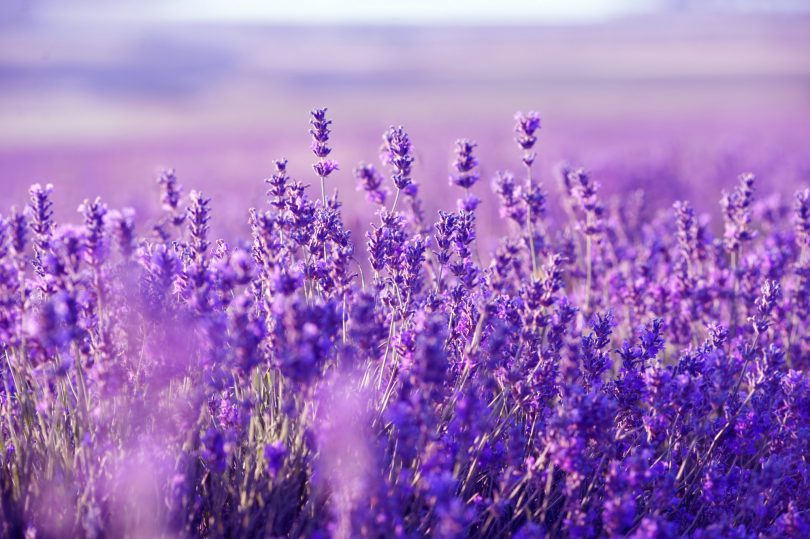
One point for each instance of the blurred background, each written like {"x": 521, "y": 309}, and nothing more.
{"x": 676, "y": 97}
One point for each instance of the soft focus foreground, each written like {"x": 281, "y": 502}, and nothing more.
{"x": 606, "y": 371}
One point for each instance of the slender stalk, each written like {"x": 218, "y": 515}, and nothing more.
{"x": 588, "y": 272}
{"x": 396, "y": 199}
{"x": 530, "y": 223}
{"x": 735, "y": 260}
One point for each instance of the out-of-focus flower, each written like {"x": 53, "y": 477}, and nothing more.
{"x": 275, "y": 455}
{"x": 802, "y": 210}
{"x": 213, "y": 450}
{"x": 370, "y": 181}
{"x": 737, "y": 213}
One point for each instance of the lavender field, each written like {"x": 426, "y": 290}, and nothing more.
{"x": 590, "y": 321}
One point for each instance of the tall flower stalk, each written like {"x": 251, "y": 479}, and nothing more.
{"x": 525, "y": 128}
{"x": 737, "y": 214}
{"x": 590, "y": 211}
{"x": 320, "y": 131}
{"x": 397, "y": 152}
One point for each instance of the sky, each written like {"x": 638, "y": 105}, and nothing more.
{"x": 406, "y": 11}
{"x": 371, "y": 11}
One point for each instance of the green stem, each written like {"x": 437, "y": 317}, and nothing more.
{"x": 396, "y": 199}
{"x": 588, "y": 272}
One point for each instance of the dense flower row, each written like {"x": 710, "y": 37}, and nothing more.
{"x": 596, "y": 377}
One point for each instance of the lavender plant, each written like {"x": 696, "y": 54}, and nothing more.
{"x": 591, "y": 377}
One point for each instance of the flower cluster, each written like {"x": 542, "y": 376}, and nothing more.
{"x": 592, "y": 376}
{"x": 397, "y": 153}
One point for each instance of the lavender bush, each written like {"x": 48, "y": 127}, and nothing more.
{"x": 594, "y": 376}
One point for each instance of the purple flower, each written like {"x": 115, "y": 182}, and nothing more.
{"x": 320, "y": 133}
{"x": 385, "y": 242}
{"x": 530, "y": 530}
{"x": 464, "y": 233}
{"x": 56, "y": 325}
{"x": 19, "y": 231}
{"x": 396, "y": 152}
{"x": 41, "y": 223}
{"x": 367, "y": 328}
{"x": 651, "y": 339}
{"x": 41, "y": 214}
{"x": 465, "y": 175}
{"x": 594, "y": 359}
{"x": 802, "y": 211}
{"x": 737, "y": 213}
{"x": 213, "y": 450}
{"x": 96, "y": 239}
{"x": 199, "y": 214}
{"x": 535, "y": 200}
{"x": 278, "y": 183}
{"x": 303, "y": 339}
{"x": 525, "y": 127}
{"x": 586, "y": 200}
{"x": 370, "y": 181}
{"x": 274, "y": 455}
{"x": 687, "y": 230}
{"x": 123, "y": 229}
{"x": 170, "y": 196}
{"x": 428, "y": 360}
{"x": 445, "y": 230}
{"x": 325, "y": 167}
{"x": 770, "y": 293}
{"x": 5, "y": 237}
{"x": 511, "y": 197}
{"x": 247, "y": 334}
{"x": 469, "y": 203}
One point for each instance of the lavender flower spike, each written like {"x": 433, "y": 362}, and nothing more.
{"x": 465, "y": 175}
{"x": 525, "y": 129}
{"x": 802, "y": 210}
{"x": 397, "y": 153}
{"x": 320, "y": 147}
{"x": 320, "y": 132}
{"x": 370, "y": 181}
{"x": 737, "y": 213}
{"x": 199, "y": 213}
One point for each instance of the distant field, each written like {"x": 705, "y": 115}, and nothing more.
{"x": 100, "y": 110}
